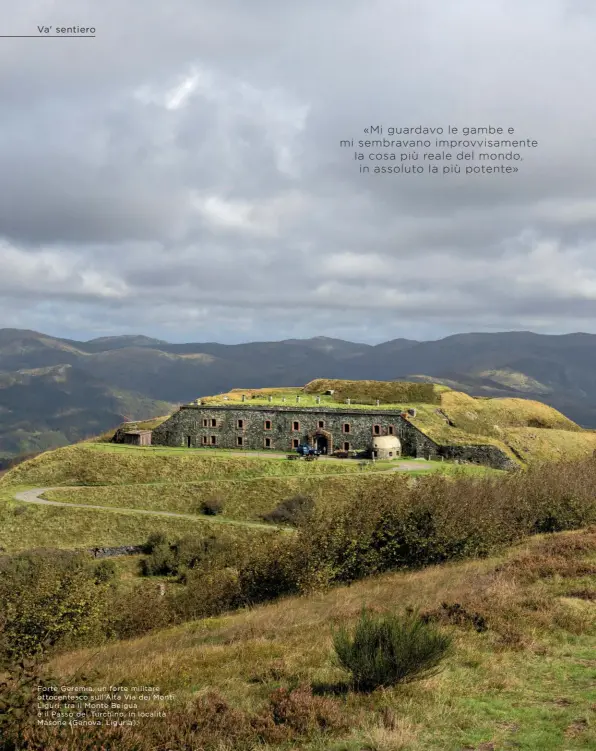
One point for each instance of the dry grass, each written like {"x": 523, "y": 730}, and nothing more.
{"x": 501, "y": 678}
{"x": 550, "y": 445}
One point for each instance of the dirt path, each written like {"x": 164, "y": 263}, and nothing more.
{"x": 34, "y": 496}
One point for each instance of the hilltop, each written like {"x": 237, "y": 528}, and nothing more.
{"x": 230, "y": 601}
{"x": 134, "y": 372}
{"x": 525, "y": 429}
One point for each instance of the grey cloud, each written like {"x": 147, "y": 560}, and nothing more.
{"x": 181, "y": 175}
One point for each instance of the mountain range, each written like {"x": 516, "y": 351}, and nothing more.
{"x": 54, "y": 391}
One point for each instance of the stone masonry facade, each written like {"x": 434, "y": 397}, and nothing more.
{"x": 284, "y": 428}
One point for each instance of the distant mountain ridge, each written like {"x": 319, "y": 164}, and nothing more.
{"x": 139, "y": 376}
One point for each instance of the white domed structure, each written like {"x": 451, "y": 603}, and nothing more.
{"x": 386, "y": 447}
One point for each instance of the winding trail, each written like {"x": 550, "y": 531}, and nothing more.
{"x": 33, "y": 495}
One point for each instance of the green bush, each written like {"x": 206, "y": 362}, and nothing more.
{"x": 19, "y": 700}
{"x": 49, "y": 598}
{"x": 161, "y": 561}
{"x": 154, "y": 539}
{"x": 294, "y": 511}
{"x": 176, "y": 558}
{"x": 211, "y": 506}
{"x": 385, "y": 650}
{"x": 138, "y": 611}
{"x": 106, "y": 571}
{"x": 268, "y": 571}
{"x": 208, "y": 593}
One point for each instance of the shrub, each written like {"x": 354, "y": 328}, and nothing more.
{"x": 304, "y": 713}
{"x": 190, "y": 552}
{"x": 48, "y": 598}
{"x": 208, "y": 593}
{"x": 153, "y": 541}
{"x": 295, "y": 510}
{"x": 211, "y": 506}
{"x": 271, "y": 570}
{"x": 19, "y": 699}
{"x": 138, "y": 611}
{"x": 161, "y": 561}
{"x": 387, "y": 650}
{"x": 106, "y": 571}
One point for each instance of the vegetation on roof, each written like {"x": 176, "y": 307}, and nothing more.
{"x": 524, "y": 429}
{"x": 387, "y": 392}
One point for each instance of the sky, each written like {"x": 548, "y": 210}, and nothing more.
{"x": 180, "y": 175}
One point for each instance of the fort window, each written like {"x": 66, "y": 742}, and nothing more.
{"x": 240, "y": 441}
{"x": 376, "y": 430}
{"x": 267, "y": 443}
{"x": 213, "y": 440}
{"x": 267, "y": 424}
{"x": 295, "y": 443}
{"x": 213, "y": 422}
{"x": 240, "y": 424}
{"x": 346, "y": 446}
{"x": 205, "y": 423}
{"x": 346, "y": 427}
{"x": 204, "y": 440}
{"x": 390, "y": 430}
{"x": 188, "y": 441}
{"x": 295, "y": 425}
{"x": 321, "y": 424}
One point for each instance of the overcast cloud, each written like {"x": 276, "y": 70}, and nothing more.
{"x": 180, "y": 175}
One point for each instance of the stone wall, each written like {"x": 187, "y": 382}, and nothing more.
{"x": 191, "y": 426}
{"x": 488, "y": 456}
{"x": 187, "y": 427}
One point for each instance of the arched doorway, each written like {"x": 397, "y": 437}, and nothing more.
{"x": 322, "y": 440}
{"x": 321, "y": 444}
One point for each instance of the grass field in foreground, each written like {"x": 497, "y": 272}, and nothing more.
{"x": 526, "y": 682}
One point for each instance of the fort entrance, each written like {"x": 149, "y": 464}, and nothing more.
{"x": 322, "y": 440}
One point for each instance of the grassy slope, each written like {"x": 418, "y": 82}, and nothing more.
{"x": 124, "y": 469}
{"x": 525, "y": 683}
{"x": 244, "y": 499}
{"x": 24, "y": 526}
{"x": 105, "y": 464}
{"x": 153, "y": 479}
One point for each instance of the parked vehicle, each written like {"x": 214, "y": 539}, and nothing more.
{"x": 307, "y": 451}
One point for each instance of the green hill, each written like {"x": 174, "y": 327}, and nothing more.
{"x": 48, "y": 407}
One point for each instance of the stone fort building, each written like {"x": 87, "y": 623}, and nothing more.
{"x": 284, "y": 428}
